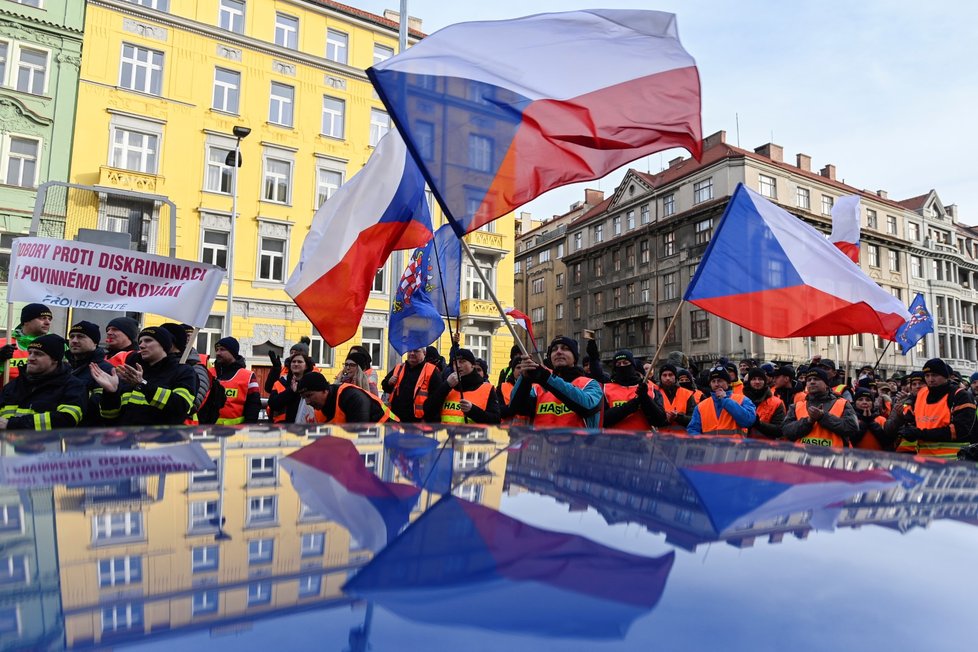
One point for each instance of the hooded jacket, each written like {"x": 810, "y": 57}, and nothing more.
{"x": 165, "y": 397}
{"x": 45, "y": 402}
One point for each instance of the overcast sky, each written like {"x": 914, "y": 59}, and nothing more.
{"x": 887, "y": 90}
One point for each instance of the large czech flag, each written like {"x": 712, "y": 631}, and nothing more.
{"x": 497, "y": 113}
{"x": 772, "y": 273}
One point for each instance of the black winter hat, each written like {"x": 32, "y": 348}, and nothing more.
{"x": 826, "y": 363}
{"x": 232, "y": 346}
{"x": 178, "y": 334}
{"x": 862, "y": 392}
{"x": 669, "y": 367}
{"x": 785, "y": 370}
{"x": 128, "y": 326}
{"x": 361, "y": 358}
{"x": 719, "y": 372}
{"x": 466, "y": 354}
{"x": 52, "y": 345}
{"x": 569, "y": 343}
{"x": 819, "y": 373}
{"x": 756, "y": 372}
{"x": 625, "y": 354}
{"x": 159, "y": 334}
{"x": 88, "y": 329}
{"x": 33, "y": 311}
{"x": 313, "y": 382}
{"x": 937, "y": 366}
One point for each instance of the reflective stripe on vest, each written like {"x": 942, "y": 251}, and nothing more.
{"x": 451, "y": 411}
{"x": 420, "y": 387}
{"x": 936, "y": 415}
{"x": 551, "y": 411}
{"x": 339, "y": 416}
{"x": 616, "y": 395}
{"x": 724, "y": 424}
{"x": 820, "y": 436}
{"x": 236, "y": 389}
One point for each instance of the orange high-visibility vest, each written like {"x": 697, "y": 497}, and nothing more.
{"x": 339, "y": 416}
{"x": 615, "y": 395}
{"x": 820, "y": 436}
{"x": 938, "y": 415}
{"x": 724, "y": 424}
{"x": 451, "y": 411}
{"x": 236, "y": 389}
{"x": 420, "y": 387}
{"x": 551, "y": 411}
{"x": 678, "y": 404}
{"x": 869, "y": 441}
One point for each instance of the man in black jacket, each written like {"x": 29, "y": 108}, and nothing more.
{"x": 344, "y": 403}
{"x": 410, "y": 384}
{"x": 633, "y": 404}
{"x": 47, "y": 396}
{"x": 151, "y": 388}
{"x": 84, "y": 350}
{"x": 465, "y": 396}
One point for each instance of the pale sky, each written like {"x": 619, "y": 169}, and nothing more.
{"x": 886, "y": 90}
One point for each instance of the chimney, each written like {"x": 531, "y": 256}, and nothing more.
{"x": 676, "y": 161}
{"x": 952, "y": 210}
{"x": 719, "y": 138}
{"x": 804, "y": 162}
{"x": 395, "y": 16}
{"x": 593, "y": 197}
{"x": 881, "y": 194}
{"x": 828, "y": 172}
{"x": 771, "y": 151}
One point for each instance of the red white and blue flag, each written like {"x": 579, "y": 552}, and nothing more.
{"x": 772, "y": 273}
{"x": 522, "y": 320}
{"x": 381, "y": 209}
{"x": 499, "y": 112}
{"x": 845, "y": 226}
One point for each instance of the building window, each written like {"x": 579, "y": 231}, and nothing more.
{"x": 518, "y": 267}
{"x": 699, "y": 325}
{"x": 669, "y": 243}
{"x": 643, "y": 252}
{"x": 262, "y": 469}
{"x": 121, "y": 617}
{"x": 616, "y": 300}
{"x": 373, "y": 341}
{"x": 645, "y": 292}
{"x": 203, "y": 515}
{"x": 538, "y": 314}
{"x": 578, "y": 240}
{"x": 599, "y": 301}
{"x": 32, "y": 68}
{"x": 259, "y": 593}
{"x": 328, "y": 181}
{"x": 599, "y": 267}
{"x": 117, "y": 526}
{"x": 559, "y": 314}
{"x": 703, "y": 191}
{"x": 204, "y": 559}
{"x": 871, "y": 220}
{"x": 559, "y": 280}
{"x": 227, "y": 90}
{"x": 480, "y": 153}
{"x": 630, "y": 256}
{"x": 560, "y": 249}
{"x": 616, "y": 225}
{"x": 599, "y": 233}
{"x": 630, "y": 220}
{"x": 120, "y": 571}
{"x": 214, "y": 249}
{"x": 141, "y": 69}
{"x": 382, "y": 53}
{"x": 20, "y": 162}
{"x": 380, "y": 280}
{"x": 891, "y": 224}
{"x": 310, "y": 586}
{"x": 380, "y": 124}
{"x": 704, "y": 230}
{"x": 874, "y": 255}
{"x": 212, "y": 331}
{"x": 261, "y": 510}
{"x": 159, "y": 5}
{"x": 134, "y": 150}
{"x": 577, "y": 307}
{"x": 320, "y": 352}
{"x": 280, "y": 104}
{"x": 278, "y": 180}
{"x": 827, "y": 203}
{"x": 205, "y": 480}
{"x": 768, "y": 186}
{"x": 231, "y": 16}
{"x": 337, "y": 45}
{"x": 669, "y": 204}
{"x": 616, "y": 260}
{"x": 916, "y": 267}
{"x": 261, "y": 551}
{"x": 218, "y": 175}
{"x": 271, "y": 259}
{"x": 480, "y": 345}
{"x": 803, "y": 198}
{"x": 313, "y": 544}
{"x": 334, "y": 117}
{"x": 646, "y": 214}
{"x": 425, "y": 139}
{"x": 286, "y": 31}
{"x": 577, "y": 273}
{"x": 203, "y": 603}
{"x": 11, "y": 518}
{"x": 537, "y": 286}
{"x": 913, "y": 232}
{"x": 474, "y": 288}
{"x": 669, "y": 286}
{"x": 894, "y": 260}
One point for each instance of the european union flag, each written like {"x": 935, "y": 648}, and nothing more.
{"x": 428, "y": 289}
{"x": 919, "y": 324}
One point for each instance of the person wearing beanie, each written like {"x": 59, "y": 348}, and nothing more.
{"x": 686, "y": 378}
{"x": 633, "y": 403}
{"x": 870, "y": 435}
{"x": 121, "y": 339}
{"x": 302, "y": 347}
{"x": 366, "y": 362}
{"x": 901, "y": 413}
{"x": 150, "y": 388}
{"x": 340, "y": 403}
{"x": 178, "y": 333}
{"x": 83, "y": 351}
{"x": 351, "y": 371}
{"x": 284, "y": 402}
{"x": 769, "y": 408}
{"x": 240, "y": 384}
{"x": 784, "y": 384}
{"x": 823, "y": 418}
{"x": 944, "y": 415}
{"x": 504, "y": 389}
{"x": 722, "y": 412}
{"x": 409, "y": 385}
{"x": 559, "y": 396}
{"x": 464, "y": 397}
{"x": 35, "y": 321}
{"x": 45, "y": 396}
{"x": 677, "y": 401}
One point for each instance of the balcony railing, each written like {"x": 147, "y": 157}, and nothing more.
{"x": 129, "y": 180}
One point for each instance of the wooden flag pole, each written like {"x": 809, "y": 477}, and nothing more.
{"x": 658, "y": 349}
{"x": 847, "y": 378}
{"x": 190, "y": 343}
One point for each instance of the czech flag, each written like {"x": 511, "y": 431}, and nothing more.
{"x": 845, "y": 226}
{"x": 499, "y": 112}
{"x": 772, "y": 273}
{"x": 737, "y": 494}
{"x": 381, "y": 209}
{"x": 331, "y": 478}
{"x": 464, "y": 564}
{"x": 521, "y": 319}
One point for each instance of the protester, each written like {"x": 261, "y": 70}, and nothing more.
{"x": 870, "y": 434}
{"x": 46, "y": 396}
{"x": 84, "y": 350}
{"x": 591, "y": 362}
{"x": 837, "y": 378}
{"x": 769, "y": 408}
{"x": 944, "y": 414}
{"x": 901, "y": 414}
{"x": 120, "y": 339}
{"x": 823, "y": 418}
{"x": 784, "y": 384}
{"x": 365, "y": 362}
{"x": 723, "y": 412}
{"x": 352, "y": 371}
{"x": 410, "y": 384}
{"x": 240, "y": 384}
{"x": 678, "y": 402}
{"x": 464, "y": 397}
{"x": 150, "y": 388}
{"x": 35, "y": 321}
{"x": 279, "y": 369}
{"x": 684, "y": 378}
{"x": 563, "y": 396}
{"x": 207, "y": 404}
{"x": 343, "y": 403}
{"x": 284, "y": 400}
{"x": 632, "y": 403}
{"x": 504, "y": 389}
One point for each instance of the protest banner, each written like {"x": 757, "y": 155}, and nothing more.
{"x": 70, "y": 274}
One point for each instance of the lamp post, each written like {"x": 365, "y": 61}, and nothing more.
{"x": 233, "y": 161}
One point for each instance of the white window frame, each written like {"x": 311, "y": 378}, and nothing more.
{"x": 15, "y": 569}
{"x": 261, "y": 551}
{"x": 873, "y": 255}
{"x": 312, "y": 544}
{"x": 200, "y": 514}
{"x": 329, "y": 178}
{"x": 120, "y": 571}
{"x": 217, "y": 172}
{"x": 616, "y": 225}
{"x": 275, "y": 180}
{"x": 703, "y": 191}
{"x": 259, "y": 593}
{"x": 473, "y": 284}
{"x": 373, "y": 340}
{"x": 803, "y": 198}
{"x": 262, "y": 469}
{"x": 8, "y": 521}
{"x": 159, "y": 5}
{"x": 229, "y": 93}
{"x": 281, "y": 104}
{"x": 669, "y": 205}
{"x": 480, "y": 152}
{"x": 208, "y": 560}
{"x": 479, "y": 344}
{"x": 319, "y": 350}
{"x": 334, "y": 117}
{"x": 262, "y": 510}
{"x": 338, "y": 47}
{"x": 151, "y": 66}
{"x": 892, "y": 226}
{"x": 382, "y": 53}
{"x": 9, "y": 158}
{"x": 286, "y": 31}
{"x": 231, "y": 15}
{"x": 148, "y": 150}
{"x": 380, "y": 124}
{"x": 703, "y": 227}
{"x": 828, "y": 201}
{"x": 768, "y": 186}
{"x": 119, "y": 617}
{"x": 310, "y": 586}
{"x": 36, "y": 75}
{"x": 212, "y": 331}
{"x": 272, "y": 256}
{"x": 380, "y": 280}
{"x": 204, "y": 603}
{"x": 105, "y": 527}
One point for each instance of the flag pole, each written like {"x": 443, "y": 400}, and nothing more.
{"x": 10, "y": 340}
{"x": 885, "y": 348}
{"x": 658, "y": 349}
{"x": 848, "y": 378}
{"x": 191, "y": 341}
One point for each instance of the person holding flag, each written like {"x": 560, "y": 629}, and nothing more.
{"x": 561, "y": 396}
{"x": 464, "y": 397}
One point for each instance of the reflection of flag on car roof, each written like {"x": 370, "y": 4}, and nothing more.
{"x": 465, "y": 564}
{"x": 421, "y": 460}
{"x": 499, "y": 112}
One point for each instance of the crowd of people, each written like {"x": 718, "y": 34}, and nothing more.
{"x": 149, "y": 377}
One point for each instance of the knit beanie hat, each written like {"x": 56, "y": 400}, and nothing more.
{"x": 231, "y": 345}
{"x": 33, "y": 311}
{"x": 569, "y": 343}
{"x": 466, "y": 354}
{"x": 50, "y": 344}
{"x": 361, "y": 358}
{"x": 159, "y": 334}
{"x": 937, "y": 366}
{"x": 178, "y": 334}
{"x": 88, "y": 329}
{"x": 128, "y": 326}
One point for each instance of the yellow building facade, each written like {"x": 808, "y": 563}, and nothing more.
{"x": 163, "y": 88}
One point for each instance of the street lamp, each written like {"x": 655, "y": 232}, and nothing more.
{"x": 233, "y": 161}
